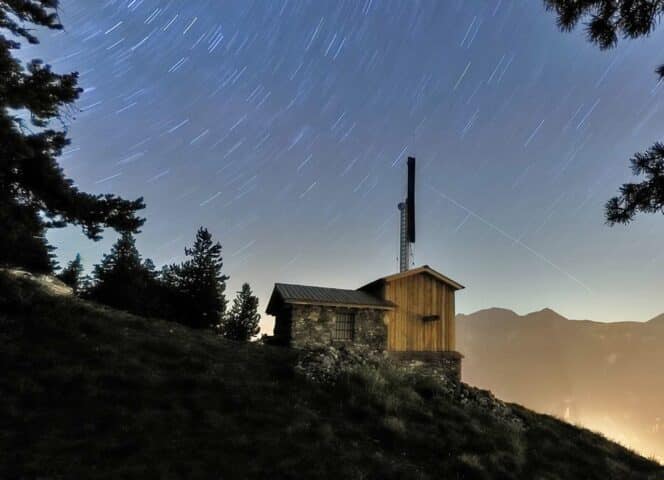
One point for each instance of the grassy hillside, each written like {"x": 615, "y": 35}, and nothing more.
{"x": 88, "y": 392}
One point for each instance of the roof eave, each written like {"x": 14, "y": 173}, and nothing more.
{"x": 340, "y": 304}
{"x": 415, "y": 271}
{"x": 271, "y": 308}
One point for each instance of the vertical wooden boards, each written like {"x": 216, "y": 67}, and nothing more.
{"x": 452, "y": 325}
{"x": 391, "y": 317}
{"x": 442, "y": 298}
{"x": 416, "y": 297}
{"x": 449, "y": 319}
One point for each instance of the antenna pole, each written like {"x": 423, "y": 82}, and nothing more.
{"x": 404, "y": 244}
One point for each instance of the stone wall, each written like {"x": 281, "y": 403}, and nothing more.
{"x": 312, "y": 325}
{"x": 446, "y": 364}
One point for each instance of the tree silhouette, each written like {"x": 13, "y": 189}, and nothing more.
{"x": 647, "y": 196}
{"x": 605, "y": 20}
{"x": 200, "y": 283}
{"x": 242, "y": 321}
{"x": 23, "y": 236}
{"x": 34, "y": 192}
{"x": 122, "y": 280}
{"x": 71, "y": 274}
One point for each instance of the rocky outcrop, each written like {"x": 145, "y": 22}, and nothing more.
{"x": 326, "y": 364}
{"x": 487, "y": 402}
{"x": 47, "y": 282}
{"x": 445, "y": 364}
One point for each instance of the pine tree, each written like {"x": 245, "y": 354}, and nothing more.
{"x": 71, "y": 274}
{"x": 242, "y": 321}
{"x": 122, "y": 280}
{"x": 647, "y": 196}
{"x": 34, "y": 192}
{"x": 200, "y": 283}
{"x": 605, "y": 21}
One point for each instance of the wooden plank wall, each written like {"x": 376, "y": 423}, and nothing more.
{"x": 418, "y": 296}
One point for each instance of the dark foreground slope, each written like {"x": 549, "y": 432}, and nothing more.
{"x": 88, "y": 392}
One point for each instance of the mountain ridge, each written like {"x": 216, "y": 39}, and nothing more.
{"x": 603, "y": 375}
{"x": 504, "y": 312}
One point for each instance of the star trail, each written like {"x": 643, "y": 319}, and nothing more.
{"x": 284, "y": 126}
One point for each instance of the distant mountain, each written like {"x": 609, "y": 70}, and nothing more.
{"x": 606, "y": 376}
{"x": 658, "y": 319}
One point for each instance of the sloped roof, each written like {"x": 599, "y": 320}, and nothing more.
{"x": 306, "y": 294}
{"x": 414, "y": 271}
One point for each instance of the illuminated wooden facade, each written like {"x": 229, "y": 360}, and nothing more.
{"x": 423, "y": 314}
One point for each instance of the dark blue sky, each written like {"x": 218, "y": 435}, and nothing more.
{"x": 284, "y": 127}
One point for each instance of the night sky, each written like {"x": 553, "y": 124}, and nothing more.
{"x": 284, "y": 128}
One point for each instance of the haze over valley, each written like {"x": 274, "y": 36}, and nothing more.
{"x": 605, "y": 376}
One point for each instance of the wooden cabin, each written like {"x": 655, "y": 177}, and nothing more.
{"x": 423, "y": 316}
{"x": 409, "y": 314}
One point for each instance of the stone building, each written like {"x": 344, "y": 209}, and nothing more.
{"x": 410, "y": 315}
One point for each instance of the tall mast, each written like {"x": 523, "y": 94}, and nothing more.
{"x": 407, "y": 220}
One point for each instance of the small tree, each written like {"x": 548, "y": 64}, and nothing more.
{"x": 200, "y": 282}
{"x": 122, "y": 280}
{"x": 71, "y": 274}
{"x": 242, "y": 322}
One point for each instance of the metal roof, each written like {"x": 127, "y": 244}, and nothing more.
{"x": 305, "y": 294}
